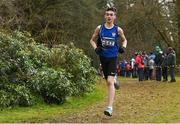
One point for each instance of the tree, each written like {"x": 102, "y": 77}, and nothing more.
{"x": 178, "y": 20}
{"x": 148, "y": 23}
{"x": 145, "y": 22}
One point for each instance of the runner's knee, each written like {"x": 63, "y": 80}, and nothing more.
{"x": 110, "y": 80}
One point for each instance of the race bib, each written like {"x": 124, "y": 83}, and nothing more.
{"x": 108, "y": 42}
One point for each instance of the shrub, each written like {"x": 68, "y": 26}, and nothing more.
{"x": 84, "y": 76}
{"x": 21, "y": 56}
{"x": 52, "y": 84}
{"x": 30, "y": 67}
{"x": 13, "y": 94}
{"x": 75, "y": 62}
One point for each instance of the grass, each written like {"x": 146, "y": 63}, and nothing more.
{"x": 42, "y": 112}
{"x": 170, "y": 108}
{"x": 135, "y": 102}
{"x": 149, "y": 102}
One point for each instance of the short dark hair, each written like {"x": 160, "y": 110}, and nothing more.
{"x": 170, "y": 49}
{"x": 111, "y": 9}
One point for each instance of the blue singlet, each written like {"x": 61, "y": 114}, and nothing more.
{"x": 109, "y": 40}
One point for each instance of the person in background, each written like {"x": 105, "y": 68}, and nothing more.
{"x": 158, "y": 61}
{"x": 118, "y": 69}
{"x": 152, "y": 56}
{"x": 146, "y": 66}
{"x": 171, "y": 62}
{"x": 151, "y": 66}
{"x": 133, "y": 68}
{"x": 100, "y": 71}
{"x": 140, "y": 66}
{"x": 123, "y": 68}
{"x": 164, "y": 66}
{"x": 128, "y": 69}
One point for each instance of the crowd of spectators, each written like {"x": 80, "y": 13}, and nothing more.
{"x": 152, "y": 66}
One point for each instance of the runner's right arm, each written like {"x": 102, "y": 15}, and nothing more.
{"x": 94, "y": 37}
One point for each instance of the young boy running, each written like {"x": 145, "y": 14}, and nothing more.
{"x": 105, "y": 43}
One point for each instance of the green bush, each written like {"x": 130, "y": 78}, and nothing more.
{"x": 75, "y": 62}
{"x": 79, "y": 65}
{"x": 20, "y": 56}
{"x": 15, "y": 61}
{"x": 30, "y": 67}
{"x": 13, "y": 94}
{"x": 53, "y": 85}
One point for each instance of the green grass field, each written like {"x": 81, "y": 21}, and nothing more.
{"x": 149, "y": 101}
{"x": 42, "y": 112}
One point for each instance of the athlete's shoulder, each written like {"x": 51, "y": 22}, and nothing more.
{"x": 96, "y": 32}
{"x": 120, "y": 30}
{"x": 98, "y": 27}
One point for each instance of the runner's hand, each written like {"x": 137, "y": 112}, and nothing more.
{"x": 122, "y": 50}
{"x": 98, "y": 49}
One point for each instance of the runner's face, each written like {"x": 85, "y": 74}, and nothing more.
{"x": 109, "y": 16}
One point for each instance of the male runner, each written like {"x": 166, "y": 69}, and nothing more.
{"x": 109, "y": 33}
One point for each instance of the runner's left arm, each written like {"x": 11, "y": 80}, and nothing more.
{"x": 124, "y": 40}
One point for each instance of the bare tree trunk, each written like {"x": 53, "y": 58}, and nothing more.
{"x": 164, "y": 37}
{"x": 178, "y": 19}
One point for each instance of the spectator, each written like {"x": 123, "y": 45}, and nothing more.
{"x": 100, "y": 71}
{"x": 140, "y": 66}
{"x": 151, "y": 68}
{"x": 133, "y": 66}
{"x": 158, "y": 61}
{"x": 118, "y": 69}
{"x": 146, "y": 68}
{"x": 164, "y": 66}
{"x": 152, "y": 56}
{"x": 171, "y": 61}
{"x": 128, "y": 69}
{"x": 123, "y": 68}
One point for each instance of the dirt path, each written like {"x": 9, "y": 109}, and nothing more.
{"x": 134, "y": 102}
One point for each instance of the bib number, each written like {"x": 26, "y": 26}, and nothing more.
{"x": 108, "y": 43}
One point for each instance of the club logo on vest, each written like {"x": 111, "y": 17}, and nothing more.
{"x": 113, "y": 34}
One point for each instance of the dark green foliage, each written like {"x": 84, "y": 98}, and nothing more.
{"x": 79, "y": 66}
{"x": 20, "y": 56}
{"x": 28, "y": 67}
{"x": 52, "y": 85}
{"x": 75, "y": 62}
{"x": 54, "y": 22}
{"x": 13, "y": 94}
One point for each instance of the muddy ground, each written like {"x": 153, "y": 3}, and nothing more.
{"x": 148, "y": 101}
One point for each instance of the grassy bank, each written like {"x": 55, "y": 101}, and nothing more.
{"x": 42, "y": 112}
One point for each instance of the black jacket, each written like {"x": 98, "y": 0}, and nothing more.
{"x": 158, "y": 59}
{"x": 171, "y": 59}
